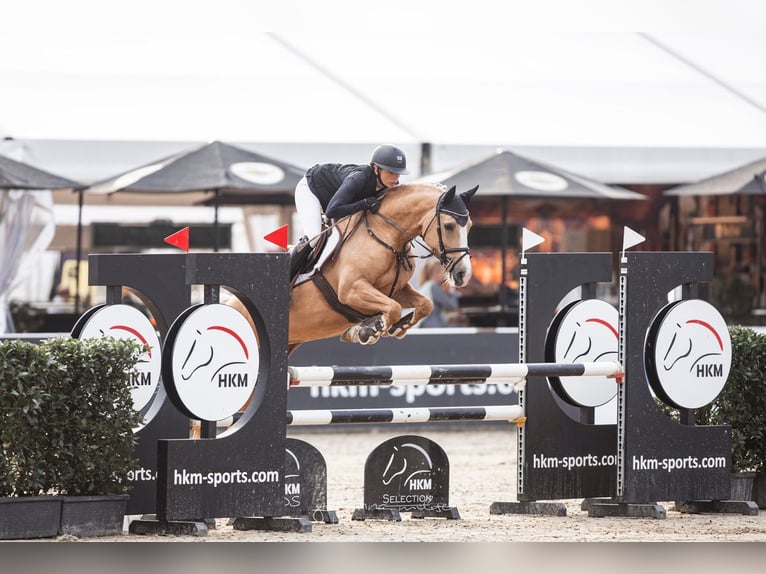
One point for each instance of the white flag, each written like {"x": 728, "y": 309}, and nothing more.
{"x": 530, "y": 239}
{"x": 630, "y": 238}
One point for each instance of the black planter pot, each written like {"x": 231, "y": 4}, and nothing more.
{"x": 83, "y": 516}
{"x": 29, "y": 517}
{"x": 749, "y": 486}
{"x": 759, "y": 489}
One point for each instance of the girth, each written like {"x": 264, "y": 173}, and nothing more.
{"x": 324, "y": 287}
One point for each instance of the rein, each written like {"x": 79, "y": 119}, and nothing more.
{"x": 402, "y": 257}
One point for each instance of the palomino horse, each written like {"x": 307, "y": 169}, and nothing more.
{"x": 368, "y": 276}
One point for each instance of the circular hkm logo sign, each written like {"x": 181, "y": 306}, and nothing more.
{"x": 587, "y": 333}
{"x": 214, "y": 362}
{"x": 688, "y": 354}
{"x": 541, "y": 180}
{"x": 258, "y": 172}
{"x": 126, "y": 322}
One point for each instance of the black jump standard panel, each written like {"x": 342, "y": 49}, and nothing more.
{"x": 239, "y": 474}
{"x": 658, "y": 457}
{"x": 554, "y": 433}
{"x": 159, "y": 280}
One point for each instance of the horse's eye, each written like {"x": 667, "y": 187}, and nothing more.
{"x": 449, "y": 227}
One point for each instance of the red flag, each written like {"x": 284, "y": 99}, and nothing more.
{"x": 179, "y": 239}
{"x": 278, "y": 237}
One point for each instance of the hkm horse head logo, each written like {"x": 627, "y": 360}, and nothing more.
{"x": 213, "y": 352}
{"x": 407, "y": 463}
{"x": 687, "y": 348}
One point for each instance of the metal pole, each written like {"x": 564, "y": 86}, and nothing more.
{"x": 426, "y": 166}
{"x": 503, "y": 294}
{"x": 78, "y": 250}
{"x": 215, "y": 220}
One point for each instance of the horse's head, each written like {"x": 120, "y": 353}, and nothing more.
{"x": 447, "y": 234}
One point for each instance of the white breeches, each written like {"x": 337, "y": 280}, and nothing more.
{"x": 309, "y": 209}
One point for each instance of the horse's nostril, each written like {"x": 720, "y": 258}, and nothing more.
{"x": 459, "y": 277}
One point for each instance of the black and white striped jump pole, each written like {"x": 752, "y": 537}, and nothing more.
{"x": 510, "y": 413}
{"x": 399, "y": 375}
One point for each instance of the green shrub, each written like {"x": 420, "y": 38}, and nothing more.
{"x": 22, "y": 432}
{"x": 68, "y": 416}
{"x": 733, "y": 297}
{"x": 742, "y": 403}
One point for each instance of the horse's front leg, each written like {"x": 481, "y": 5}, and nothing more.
{"x": 365, "y": 298}
{"x": 408, "y": 297}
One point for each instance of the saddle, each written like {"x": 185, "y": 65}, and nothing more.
{"x": 305, "y": 259}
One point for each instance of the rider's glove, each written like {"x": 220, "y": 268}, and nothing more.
{"x": 372, "y": 204}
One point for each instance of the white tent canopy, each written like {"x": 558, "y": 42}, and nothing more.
{"x": 560, "y": 90}
{"x": 620, "y": 107}
{"x": 185, "y": 72}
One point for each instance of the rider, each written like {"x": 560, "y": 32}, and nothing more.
{"x": 335, "y": 190}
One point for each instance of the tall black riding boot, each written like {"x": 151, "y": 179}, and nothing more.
{"x": 299, "y": 256}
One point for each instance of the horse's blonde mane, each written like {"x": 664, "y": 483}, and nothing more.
{"x": 435, "y": 184}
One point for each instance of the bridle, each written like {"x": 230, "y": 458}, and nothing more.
{"x": 402, "y": 257}
{"x": 444, "y": 253}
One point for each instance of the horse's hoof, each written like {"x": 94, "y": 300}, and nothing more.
{"x": 397, "y": 331}
{"x": 350, "y": 335}
{"x": 372, "y": 340}
{"x": 403, "y": 323}
{"x": 368, "y": 336}
{"x": 363, "y": 335}
{"x": 370, "y": 331}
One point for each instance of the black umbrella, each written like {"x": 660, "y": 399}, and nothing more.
{"x": 744, "y": 180}
{"x": 220, "y": 172}
{"x": 756, "y": 186}
{"x": 18, "y": 175}
{"x": 747, "y": 180}
{"x": 508, "y": 174}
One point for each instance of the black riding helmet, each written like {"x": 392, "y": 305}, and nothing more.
{"x": 390, "y": 158}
